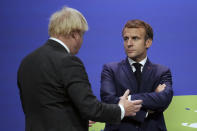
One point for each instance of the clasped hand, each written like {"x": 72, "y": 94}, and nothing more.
{"x": 131, "y": 107}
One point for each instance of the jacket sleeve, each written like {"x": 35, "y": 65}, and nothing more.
{"x": 77, "y": 85}
{"x": 109, "y": 92}
{"x": 157, "y": 101}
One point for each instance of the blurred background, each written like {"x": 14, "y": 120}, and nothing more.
{"x": 24, "y": 27}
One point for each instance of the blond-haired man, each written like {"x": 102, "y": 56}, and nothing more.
{"x": 54, "y": 86}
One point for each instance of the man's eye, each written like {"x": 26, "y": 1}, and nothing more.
{"x": 135, "y": 38}
{"x": 126, "y": 38}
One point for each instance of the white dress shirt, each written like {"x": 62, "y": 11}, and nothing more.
{"x": 142, "y": 62}
{"x": 131, "y": 62}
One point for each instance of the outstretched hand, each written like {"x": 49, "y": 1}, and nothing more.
{"x": 131, "y": 107}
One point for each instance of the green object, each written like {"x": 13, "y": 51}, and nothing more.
{"x": 97, "y": 127}
{"x": 181, "y": 115}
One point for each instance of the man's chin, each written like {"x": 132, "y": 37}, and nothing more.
{"x": 131, "y": 56}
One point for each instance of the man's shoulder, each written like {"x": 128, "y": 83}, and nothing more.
{"x": 51, "y": 55}
{"x": 160, "y": 67}
{"x": 114, "y": 64}
{"x": 35, "y": 53}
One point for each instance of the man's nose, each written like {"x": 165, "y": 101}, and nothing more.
{"x": 130, "y": 43}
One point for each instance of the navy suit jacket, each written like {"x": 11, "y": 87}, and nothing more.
{"x": 116, "y": 78}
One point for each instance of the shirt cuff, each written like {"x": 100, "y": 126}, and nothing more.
{"x": 129, "y": 97}
{"x": 122, "y": 111}
{"x": 146, "y": 114}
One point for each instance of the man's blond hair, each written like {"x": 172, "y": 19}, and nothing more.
{"x": 66, "y": 21}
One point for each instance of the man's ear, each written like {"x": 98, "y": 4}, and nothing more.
{"x": 148, "y": 43}
{"x": 74, "y": 35}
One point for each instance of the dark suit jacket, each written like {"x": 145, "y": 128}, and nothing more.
{"x": 56, "y": 93}
{"x": 116, "y": 78}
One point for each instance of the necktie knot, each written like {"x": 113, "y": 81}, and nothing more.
{"x": 137, "y": 66}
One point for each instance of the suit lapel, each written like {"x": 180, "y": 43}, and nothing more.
{"x": 130, "y": 75}
{"x": 146, "y": 76}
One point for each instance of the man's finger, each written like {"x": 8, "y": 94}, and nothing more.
{"x": 137, "y": 108}
{"x": 133, "y": 114}
{"x": 164, "y": 85}
{"x": 91, "y": 122}
{"x": 137, "y": 102}
{"x": 126, "y": 94}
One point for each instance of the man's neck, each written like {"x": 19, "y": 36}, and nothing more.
{"x": 63, "y": 42}
{"x": 68, "y": 41}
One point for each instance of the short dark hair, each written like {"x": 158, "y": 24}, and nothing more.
{"x": 140, "y": 24}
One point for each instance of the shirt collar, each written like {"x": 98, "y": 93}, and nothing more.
{"x": 60, "y": 42}
{"x": 142, "y": 62}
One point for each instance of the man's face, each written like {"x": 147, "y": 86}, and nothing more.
{"x": 135, "y": 44}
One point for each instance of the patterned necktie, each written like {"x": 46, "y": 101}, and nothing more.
{"x": 138, "y": 73}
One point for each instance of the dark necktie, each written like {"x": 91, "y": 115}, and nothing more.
{"x": 138, "y": 73}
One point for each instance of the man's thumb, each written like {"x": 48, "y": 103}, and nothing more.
{"x": 126, "y": 93}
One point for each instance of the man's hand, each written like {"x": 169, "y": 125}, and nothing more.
{"x": 160, "y": 88}
{"x": 131, "y": 107}
{"x": 91, "y": 123}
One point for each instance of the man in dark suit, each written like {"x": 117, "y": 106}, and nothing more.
{"x": 149, "y": 82}
{"x": 54, "y": 87}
